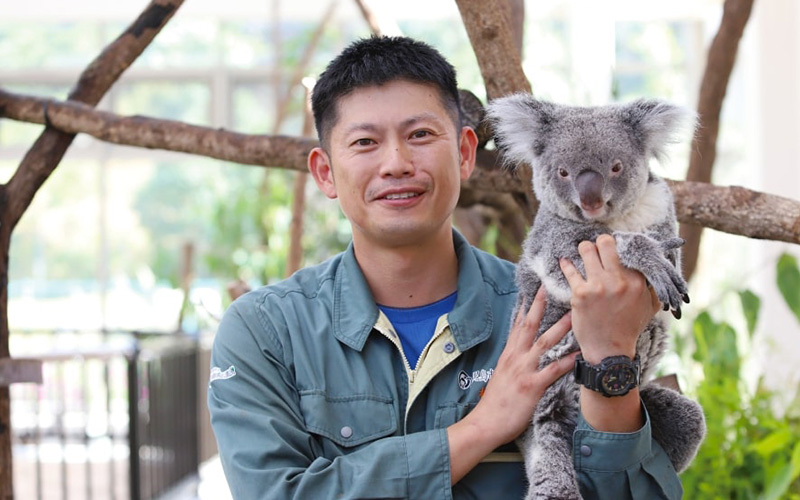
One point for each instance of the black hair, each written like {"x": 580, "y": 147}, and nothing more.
{"x": 375, "y": 61}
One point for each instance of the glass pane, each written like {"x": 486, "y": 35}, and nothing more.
{"x": 247, "y": 45}
{"x": 48, "y": 45}
{"x": 254, "y": 108}
{"x": 652, "y": 43}
{"x": 175, "y": 100}
{"x": 183, "y": 42}
{"x": 54, "y": 253}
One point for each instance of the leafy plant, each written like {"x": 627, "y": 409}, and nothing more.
{"x": 749, "y": 452}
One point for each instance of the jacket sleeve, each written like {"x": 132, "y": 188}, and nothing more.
{"x": 623, "y": 466}
{"x": 267, "y": 451}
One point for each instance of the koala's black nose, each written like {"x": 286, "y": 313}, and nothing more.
{"x": 589, "y": 185}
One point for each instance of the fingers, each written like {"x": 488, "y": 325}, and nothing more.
{"x": 558, "y": 368}
{"x": 591, "y": 257}
{"x": 526, "y": 323}
{"x": 607, "y": 251}
{"x": 574, "y": 277}
{"x": 553, "y": 335}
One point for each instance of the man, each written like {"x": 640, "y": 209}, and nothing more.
{"x": 315, "y": 392}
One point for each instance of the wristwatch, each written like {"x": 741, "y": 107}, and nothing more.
{"x": 614, "y": 376}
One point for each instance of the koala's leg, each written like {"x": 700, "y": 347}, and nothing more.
{"x": 677, "y": 423}
{"x": 648, "y": 256}
{"x": 547, "y": 445}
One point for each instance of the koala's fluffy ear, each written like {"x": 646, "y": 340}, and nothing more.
{"x": 655, "y": 124}
{"x": 521, "y": 125}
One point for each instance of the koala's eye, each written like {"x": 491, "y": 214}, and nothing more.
{"x": 563, "y": 172}
{"x": 616, "y": 167}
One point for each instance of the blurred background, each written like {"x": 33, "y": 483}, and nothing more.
{"x": 119, "y": 269}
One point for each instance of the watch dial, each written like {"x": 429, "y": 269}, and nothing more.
{"x": 618, "y": 379}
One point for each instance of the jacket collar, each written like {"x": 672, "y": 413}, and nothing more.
{"x": 355, "y": 312}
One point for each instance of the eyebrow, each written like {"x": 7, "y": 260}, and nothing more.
{"x": 371, "y": 127}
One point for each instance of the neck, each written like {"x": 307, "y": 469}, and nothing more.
{"x": 410, "y": 275}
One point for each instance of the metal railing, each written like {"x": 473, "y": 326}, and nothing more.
{"x": 74, "y": 433}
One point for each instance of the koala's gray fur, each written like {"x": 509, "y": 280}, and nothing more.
{"x": 591, "y": 176}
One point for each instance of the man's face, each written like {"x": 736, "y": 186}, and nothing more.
{"x": 395, "y": 162}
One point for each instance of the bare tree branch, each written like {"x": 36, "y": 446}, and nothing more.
{"x": 737, "y": 210}
{"x": 151, "y": 133}
{"x": 721, "y": 59}
{"x": 733, "y": 210}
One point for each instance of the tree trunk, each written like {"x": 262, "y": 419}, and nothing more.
{"x": 43, "y": 158}
{"x": 721, "y": 58}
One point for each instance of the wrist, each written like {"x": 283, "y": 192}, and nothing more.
{"x": 620, "y": 414}
{"x": 596, "y": 355}
{"x": 470, "y": 442}
{"x": 595, "y": 348}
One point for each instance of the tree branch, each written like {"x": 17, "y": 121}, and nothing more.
{"x": 733, "y": 210}
{"x": 719, "y": 66}
{"x": 152, "y": 133}
{"x": 737, "y": 210}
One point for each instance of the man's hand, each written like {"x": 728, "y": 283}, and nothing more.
{"x": 610, "y": 308}
{"x": 511, "y": 396}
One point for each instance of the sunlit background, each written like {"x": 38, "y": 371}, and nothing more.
{"x": 99, "y": 254}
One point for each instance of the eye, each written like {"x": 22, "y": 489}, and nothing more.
{"x": 420, "y": 134}
{"x": 563, "y": 173}
{"x": 616, "y": 167}
{"x": 363, "y": 142}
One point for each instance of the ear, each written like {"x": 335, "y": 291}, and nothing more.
{"x": 467, "y": 148}
{"x": 521, "y": 125}
{"x": 319, "y": 165}
{"x": 656, "y": 124}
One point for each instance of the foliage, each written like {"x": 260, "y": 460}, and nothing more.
{"x": 749, "y": 452}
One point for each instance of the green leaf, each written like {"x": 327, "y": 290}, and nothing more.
{"x": 796, "y": 462}
{"x": 778, "y": 483}
{"x": 701, "y": 329}
{"x": 751, "y": 304}
{"x": 789, "y": 282}
{"x": 775, "y": 441}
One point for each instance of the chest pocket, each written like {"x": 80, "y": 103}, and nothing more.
{"x": 447, "y": 415}
{"x": 349, "y": 420}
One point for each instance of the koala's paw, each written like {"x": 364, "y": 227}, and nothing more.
{"x": 648, "y": 256}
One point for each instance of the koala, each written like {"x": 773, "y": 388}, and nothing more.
{"x": 591, "y": 176}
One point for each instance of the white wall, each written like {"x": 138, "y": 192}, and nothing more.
{"x": 776, "y": 47}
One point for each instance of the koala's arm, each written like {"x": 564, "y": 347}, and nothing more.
{"x": 655, "y": 252}
{"x": 677, "y": 423}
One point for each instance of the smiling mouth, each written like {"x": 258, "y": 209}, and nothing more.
{"x": 400, "y": 196}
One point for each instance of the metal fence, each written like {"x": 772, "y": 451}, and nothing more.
{"x": 123, "y": 422}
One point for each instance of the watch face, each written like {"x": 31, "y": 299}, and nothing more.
{"x": 618, "y": 379}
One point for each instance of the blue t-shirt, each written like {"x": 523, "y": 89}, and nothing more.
{"x": 415, "y": 325}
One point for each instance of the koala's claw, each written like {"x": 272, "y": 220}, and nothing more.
{"x": 685, "y": 298}
{"x": 677, "y": 313}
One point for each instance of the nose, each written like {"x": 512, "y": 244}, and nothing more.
{"x": 589, "y": 185}
{"x": 397, "y": 161}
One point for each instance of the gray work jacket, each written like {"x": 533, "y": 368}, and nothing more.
{"x": 311, "y": 396}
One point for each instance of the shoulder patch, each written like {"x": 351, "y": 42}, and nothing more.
{"x": 218, "y": 374}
